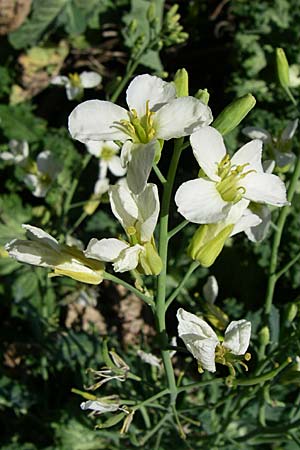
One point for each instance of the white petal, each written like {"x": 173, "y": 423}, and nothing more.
{"x": 265, "y": 188}
{"x": 149, "y": 358}
{"x": 209, "y": 149}
{"x": 246, "y": 222}
{"x": 73, "y": 91}
{"x": 60, "y": 80}
{"x": 103, "y": 166}
{"x": 181, "y": 117}
{"x": 128, "y": 259}
{"x": 32, "y": 253}
{"x": 269, "y": 165}
{"x": 46, "y": 163}
{"x": 257, "y": 232}
{"x": 199, "y": 338}
{"x": 257, "y": 133}
{"x": 284, "y": 159}
{"x": 249, "y": 154}
{"x": 140, "y": 165}
{"x": 289, "y": 130}
{"x": 145, "y": 88}
{"x": 107, "y": 250}
{"x": 237, "y": 336}
{"x": 90, "y": 79}
{"x": 95, "y": 147}
{"x": 123, "y": 205}
{"x": 37, "y": 234}
{"x": 148, "y": 211}
{"x": 211, "y": 289}
{"x": 199, "y": 201}
{"x": 7, "y": 156}
{"x": 115, "y": 166}
{"x": 101, "y": 186}
{"x": 99, "y": 407}
{"x": 95, "y": 120}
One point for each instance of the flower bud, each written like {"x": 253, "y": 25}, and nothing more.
{"x": 150, "y": 262}
{"x": 292, "y": 312}
{"x": 234, "y": 113}
{"x": 203, "y": 95}
{"x": 282, "y": 68}
{"x": 264, "y": 335}
{"x": 208, "y": 242}
{"x": 181, "y": 81}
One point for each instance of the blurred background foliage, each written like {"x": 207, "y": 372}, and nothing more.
{"x": 52, "y": 328}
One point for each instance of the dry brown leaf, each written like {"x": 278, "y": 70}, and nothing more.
{"x": 12, "y": 14}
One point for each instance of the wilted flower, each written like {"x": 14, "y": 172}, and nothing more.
{"x": 75, "y": 83}
{"x": 201, "y": 340}
{"x": 138, "y": 216}
{"x": 117, "y": 370}
{"x": 43, "y": 174}
{"x": 278, "y": 147}
{"x": 43, "y": 250}
{"x": 102, "y": 405}
{"x": 224, "y": 182}
{"x": 18, "y": 154}
{"x": 149, "y": 358}
{"x": 154, "y": 113}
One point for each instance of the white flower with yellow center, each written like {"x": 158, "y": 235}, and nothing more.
{"x": 75, "y": 83}
{"x": 107, "y": 152}
{"x": 43, "y": 173}
{"x": 138, "y": 216}
{"x": 201, "y": 340}
{"x": 18, "y": 152}
{"x": 43, "y": 250}
{"x": 154, "y": 113}
{"x": 223, "y": 182}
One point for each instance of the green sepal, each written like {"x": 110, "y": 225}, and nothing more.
{"x": 233, "y": 114}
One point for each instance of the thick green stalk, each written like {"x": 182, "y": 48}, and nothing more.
{"x": 163, "y": 252}
{"x": 277, "y": 238}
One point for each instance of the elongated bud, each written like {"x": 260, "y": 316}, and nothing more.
{"x": 181, "y": 81}
{"x": 207, "y": 243}
{"x": 264, "y": 335}
{"x": 234, "y": 113}
{"x": 203, "y": 95}
{"x": 151, "y": 13}
{"x": 150, "y": 262}
{"x": 282, "y": 68}
{"x": 292, "y": 312}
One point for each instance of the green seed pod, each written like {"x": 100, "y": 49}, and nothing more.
{"x": 181, "y": 81}
{"x": 282, "y": 68}
{"x": 234, "y": 113}
{"x": 264, "y": 335}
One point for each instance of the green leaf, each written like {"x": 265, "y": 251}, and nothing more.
{"x": 43, "y": 14}
{"x": 18, "y": 122}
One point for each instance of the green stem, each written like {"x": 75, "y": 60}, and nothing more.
{"x": 80, "y": 219}
{"x": 189, "y": 386}
{"x": 130, "y": 71}
{"x": 177, "y": 229}
{"x": 262, "y": 378}
{"x": 155, "y": 429}
{"x": 287, "y": 266}
{"x": 117, "y": 280}
{"x": 74, "y": 185}
{"x": 181, "y": 285}
{"x": 273, "y": 277}
{"x": 163, "y": 252}
{"x": 159, "y": 174}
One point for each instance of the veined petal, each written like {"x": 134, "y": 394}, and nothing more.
{"x": 37, "y": 234}
{"x": 199, "y": 338}
{"x": 95, "y": 120}
{"x": 128, "y": 259}
{"x": 199, "y": 201}
{"x": 249, "y": 154}
{"x": 209, "y": 149}
{"x": 123, "y": 205}
{"x": 181, "y": 117}
{"x": 257, "y": 232}
{"x": 33, "y": 252}
{"x": 140, "y": 165}
{"x": 115, "y": 166}
{"x": 246, "y": 222}
{"x": 148, "y": 209}
{"x": 145, "y": 88}
{"x": 107, "y": 250}
{"x": 90, "y": 79}
{"x": 237, "y": 336}
{"x": 265, "y": 188}
{"x": 257, "y": 133}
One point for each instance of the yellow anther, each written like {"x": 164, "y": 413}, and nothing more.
{"x": 75, "y": 79}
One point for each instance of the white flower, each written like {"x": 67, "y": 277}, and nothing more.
{"x": 107, "y": 152}
{"x": 211, "y": 289}
{"x": 138, "y": 216}
{"x": 76, "y": 83}
{"x": 43, "y": 250}
{"x": 47, "y": 171}
{"x": 18, "y": 154}
{"x": 201, "y": 340}
{"x": 226, "y": 181}
{"x": 154, "y": 113}
{"x": 278, "y": 147}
